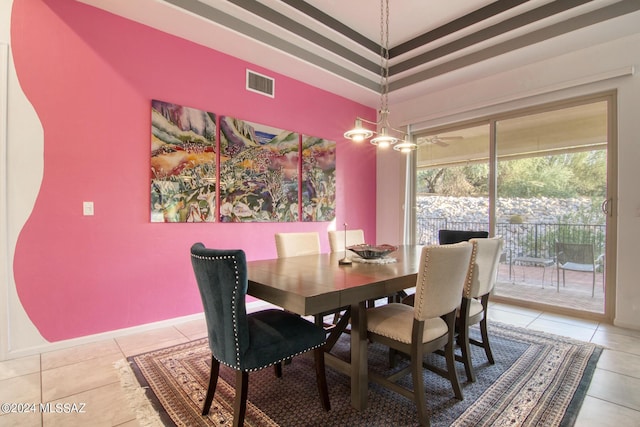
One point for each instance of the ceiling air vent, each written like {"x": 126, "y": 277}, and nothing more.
{"x": 260, "y": 84}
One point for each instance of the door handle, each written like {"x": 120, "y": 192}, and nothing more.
{"x": 605, "y": 206}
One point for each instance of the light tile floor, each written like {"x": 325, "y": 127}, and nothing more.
{"x": 86, "y": 374}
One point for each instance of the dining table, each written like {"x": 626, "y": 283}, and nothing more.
{"x": 316, "y": 284}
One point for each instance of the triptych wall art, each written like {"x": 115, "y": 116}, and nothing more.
{"x": 208, "y": 168}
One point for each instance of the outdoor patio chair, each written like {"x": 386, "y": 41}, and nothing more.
{"x": 576, "y": 257}
{"x": 248, "y": 342}
{"x": 427, "y": 327}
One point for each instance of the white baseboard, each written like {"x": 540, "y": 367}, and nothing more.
{"x": 59, "y": 345}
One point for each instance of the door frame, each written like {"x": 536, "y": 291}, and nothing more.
{"x": 611, "y": 193}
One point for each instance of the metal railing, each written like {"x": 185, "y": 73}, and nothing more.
{"x": 536, "y": 240}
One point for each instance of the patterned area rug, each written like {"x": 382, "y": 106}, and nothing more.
{"x": 538, "y": 380}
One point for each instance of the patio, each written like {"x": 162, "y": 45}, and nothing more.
{"x": 526, "y": 283}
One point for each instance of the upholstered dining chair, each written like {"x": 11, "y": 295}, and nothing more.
{"x": 297, "y": 244}
{"x": 475, "y": 299}
{"x": 447, "y": 237}
{"x": 354, "y": 237}
{"x": 337, "y": 239}
{"x": 429, "y": 325}
{"x": 248, "y": 342}
{"x": 576, "y": 257}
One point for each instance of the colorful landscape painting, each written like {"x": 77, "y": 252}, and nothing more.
{"x": 318, "y": 179}
{"x": 183, "y": 164}
{"x": 258, "y": 172}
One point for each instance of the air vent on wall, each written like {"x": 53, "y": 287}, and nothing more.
{"x": 260, "y": 84}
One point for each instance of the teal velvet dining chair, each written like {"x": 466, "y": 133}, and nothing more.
{"x": 248, "y": 342}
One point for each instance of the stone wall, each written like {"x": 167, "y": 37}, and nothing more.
{"x": 476, "y": 209}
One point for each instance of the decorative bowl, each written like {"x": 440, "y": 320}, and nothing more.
{"x": 372, "y": 252}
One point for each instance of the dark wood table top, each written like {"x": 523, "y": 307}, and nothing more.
{"x": 314, "y": 284}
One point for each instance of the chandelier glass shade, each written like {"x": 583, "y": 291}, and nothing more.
{"x": 358, "y": 133}
{"x": 382, "y": 130}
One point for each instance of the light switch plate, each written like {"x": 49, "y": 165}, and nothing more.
{"x": 87, "y": 208}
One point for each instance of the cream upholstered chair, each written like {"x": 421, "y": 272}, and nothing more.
{"x": 297, "y": 244}
{"x": 475, "y": 299}
{"x": 429, "y": 325}
{"x": 337, "y": 244}
{"x": 337, "y": 239}
{"x": 354, "y": 237}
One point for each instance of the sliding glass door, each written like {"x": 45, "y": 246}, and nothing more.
{"x": 546, "y": 197}
{"x": 452, "y": 185}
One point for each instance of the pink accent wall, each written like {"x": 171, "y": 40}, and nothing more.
{"x": 90, "y": 76}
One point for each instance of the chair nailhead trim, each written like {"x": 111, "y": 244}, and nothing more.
{"x": 273, "y": 363}
{"x": 233, "y": 302}
{"x": 235, "y": 319}
{"x": 425, "y": 267}
{"x": 472, "y": 266}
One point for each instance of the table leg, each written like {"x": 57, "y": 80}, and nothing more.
{"x": 359, "y": 377}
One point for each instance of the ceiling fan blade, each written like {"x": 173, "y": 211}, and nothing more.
{"x": 438, "y": 140}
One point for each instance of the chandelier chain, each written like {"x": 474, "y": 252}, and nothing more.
{"x": 383, "y": 138}
{"x": 384, "y": 56}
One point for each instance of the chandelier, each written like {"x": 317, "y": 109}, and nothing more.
{"x": 383, "y": 137}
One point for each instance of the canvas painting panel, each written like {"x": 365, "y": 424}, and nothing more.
{"x": 318, "y": 179}
{"x": 183, "y": 164}
{"x": 259, "y": 167}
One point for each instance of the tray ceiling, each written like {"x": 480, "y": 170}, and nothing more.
{"x": 335, "y": 44}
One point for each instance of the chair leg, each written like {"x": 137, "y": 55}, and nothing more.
{"x": 393, "y": 353}
{"x": 278, "y": 369}
{"x": 418, "y": 391}
{"x": 336, "y": 317}
{"x": 484, "y": 333}
{"x": 240, "y": 402}
{"x": 213, "y": 382}
{"x": 463, "y": 341}
{"x": 462, "y": 329}
{"x": 593, "y": 287}
{"x": 451, "y": 369}
{"x": 321, "y": 378}
{"x": 485, "y": 339}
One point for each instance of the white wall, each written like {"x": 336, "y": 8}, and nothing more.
{"x": 26, "y": 168}
{"x": 599, "y": 68}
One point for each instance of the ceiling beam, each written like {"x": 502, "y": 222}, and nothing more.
{"x": 465, "y": 21}
{"x": 608, "y": 12}
{"x": 484, "y": 34}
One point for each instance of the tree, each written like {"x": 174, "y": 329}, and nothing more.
{"x": 567, "y": 175}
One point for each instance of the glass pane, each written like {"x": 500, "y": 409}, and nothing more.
{"x": 551, "y": 182}
{"x": 452, "y": 182}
